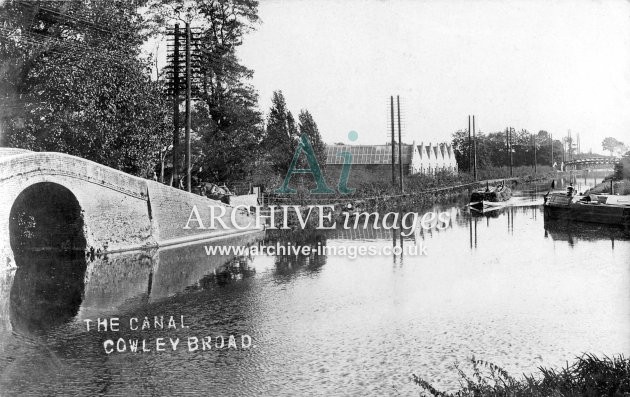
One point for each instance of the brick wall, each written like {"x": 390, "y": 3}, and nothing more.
{"x": 171, "y": 209}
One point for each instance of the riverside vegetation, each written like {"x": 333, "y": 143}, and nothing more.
{"x": 589, "y": 375}
{"x": 372, "y": 192}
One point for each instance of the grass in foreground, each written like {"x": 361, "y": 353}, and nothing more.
{"x": 587, "y": 376}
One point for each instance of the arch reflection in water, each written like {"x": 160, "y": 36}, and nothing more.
{"x": 47, "y": 238}
{"x": 47, "y": 290}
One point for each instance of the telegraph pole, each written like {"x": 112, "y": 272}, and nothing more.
{"x": 534, "y": 138}
{"x": 570, "y": 152}
{"x": 469, "y": 146}
{"x": 474, "y": 149}
{"x": 551, "y": 135}
{"x": 564, "y": 156}
{"x": 507, "y": 147}
{"x": 510, "y": 139}
{"x": 400, "y": 169}
{"x": 391, "y": 100}
{"x": 176, "y": 103}
{"x": 188, "y": 93}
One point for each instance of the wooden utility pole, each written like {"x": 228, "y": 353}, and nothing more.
{"x": 188, "y": 94}
{"x": 534, "y": 139}
{"x": 474, "y": 149}
{"x": 569, "y": 145}
{"x": 511, "y": 162}
{"x": 175, "y": 104}
{"x": 564, "y": 156}
{"x": 400, "y": 166}
{"x": 391, "y": 100}
{"x": 551, "y": 135}
{"x": 507, "y": 147}
{"x": 469, "y": 146}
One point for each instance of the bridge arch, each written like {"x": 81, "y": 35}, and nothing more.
{"x": 46, "y": 216}
{"x": 114, "y": 205}
{"x": 47, "y": 237}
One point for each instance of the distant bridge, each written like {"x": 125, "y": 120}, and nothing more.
{"x": 592, "y": 162}
{"x": 56, "y": 201}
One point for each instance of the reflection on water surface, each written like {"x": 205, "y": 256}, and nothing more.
{"x": 504, "y": 286}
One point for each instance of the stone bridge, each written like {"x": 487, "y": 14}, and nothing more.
{"x": 66, "y": 202}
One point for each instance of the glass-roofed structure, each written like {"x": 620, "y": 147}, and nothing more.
{"x": 426, "y": 159}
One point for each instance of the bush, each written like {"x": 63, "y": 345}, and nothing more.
{"x": 587, "y": 376}
{"x": 622, "y": 169}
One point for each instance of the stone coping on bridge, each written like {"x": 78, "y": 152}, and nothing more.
{"x": 10, "y": 151}
{"x": 23, "y": 163}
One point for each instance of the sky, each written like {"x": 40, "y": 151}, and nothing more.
{"x": 537, "y": 65}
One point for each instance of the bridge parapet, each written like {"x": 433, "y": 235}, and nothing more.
{"x": 27, "y": 164}
{"x": 9, "y": 151}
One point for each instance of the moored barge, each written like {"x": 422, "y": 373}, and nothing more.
{"x": 594, "y": 208}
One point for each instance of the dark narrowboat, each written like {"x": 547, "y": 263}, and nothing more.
{"x": 489, "y": 198}
{"x": 595, "y": 208}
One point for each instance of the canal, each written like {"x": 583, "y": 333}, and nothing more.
{"x": 503, "y": 287}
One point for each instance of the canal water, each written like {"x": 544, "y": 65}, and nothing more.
{"x": 503, "y": 287}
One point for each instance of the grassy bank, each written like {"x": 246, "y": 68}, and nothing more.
{"x": 587, "y": 376}
{"x": 377, "y": 191}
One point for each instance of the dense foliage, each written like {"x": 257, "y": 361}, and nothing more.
{"x": 612, "y": 145}
{"x": 74, "y": 82}
{"x": 492, "y": 149}
{"x": 226, "y": 122}
{"x": 281, "y": 134}
{"x": 308, "y": 127}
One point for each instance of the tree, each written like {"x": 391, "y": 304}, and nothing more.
{"x": 229, "y": 151}
{"x": 308, "y": 126}
{"x": 461, "y": 149}
{"x": 79, "y": 85}
{"x": 281, "y": 134}
{"x": 496, "y": 149}
{"x": 225, "y": 113}
{"x": 492, "y": 149}
{"x": 611, "y": 145}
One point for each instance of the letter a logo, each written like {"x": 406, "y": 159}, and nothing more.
{"x": 305, "y": 146}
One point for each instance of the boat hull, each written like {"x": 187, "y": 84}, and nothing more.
{"x": 561, "y": 208}
{"x": 485, "y": 206}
